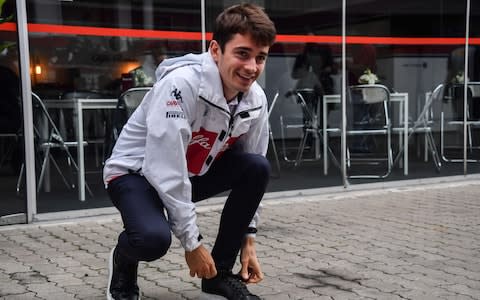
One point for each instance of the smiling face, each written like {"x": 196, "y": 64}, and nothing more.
{"x": 239, "y": 64}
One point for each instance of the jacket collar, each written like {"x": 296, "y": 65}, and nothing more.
{"x": 211, "y": 84}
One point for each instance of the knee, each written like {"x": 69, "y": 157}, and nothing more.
{"x": 258, "y": 167}
{"x": 152, "y": 244}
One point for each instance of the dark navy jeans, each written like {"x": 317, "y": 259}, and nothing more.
{"x": 146, "y": 234}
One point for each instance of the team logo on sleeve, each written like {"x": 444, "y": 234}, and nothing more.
{"x": 175, "y": 115}
{"x": 177, "y": 94}
{"x": 172, "y": 103}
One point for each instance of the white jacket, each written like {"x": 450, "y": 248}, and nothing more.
{"x": 181, "y": 126}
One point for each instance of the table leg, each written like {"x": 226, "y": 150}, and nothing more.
{"x": 325, "y": 138}
{"x": 405, "y": 136}
{"x": 80, "y": 151}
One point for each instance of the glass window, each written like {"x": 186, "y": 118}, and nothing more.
{"x": 305, "y": 57}
{"x": 94, "y": 50}
{"x": 13, "y": 202}
{"x": 410, "y": 49}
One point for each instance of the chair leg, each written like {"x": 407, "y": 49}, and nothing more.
{"x": 43, "y": 168}
{"x": 57, "y": 167}
{"x": 20, "y": 177}
{"x": 74, "y": 164}
{"x": 433, "y": 149}
{"x": 275, "y": 153}
{"x": 301, "y": 148}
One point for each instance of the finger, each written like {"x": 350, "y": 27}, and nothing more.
{"x": 244, "y": 271}
{"x": 192, "y": 273}
{"x": 213, "y": 271}
{"x": 256, "y": 278}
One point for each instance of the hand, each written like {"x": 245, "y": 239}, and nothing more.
{"x": 251, "y": 271}
{"x": 201, "y": 263}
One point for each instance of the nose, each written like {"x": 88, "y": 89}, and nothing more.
{"x": 251, "y": 65}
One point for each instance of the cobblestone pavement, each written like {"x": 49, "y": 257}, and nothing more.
{"x": 419, "y": 242}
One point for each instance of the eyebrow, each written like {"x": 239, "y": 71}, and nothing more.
{"x": 250, "y": 50}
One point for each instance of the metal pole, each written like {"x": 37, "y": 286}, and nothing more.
{"x": 465, "y": 87}
{"x": 26, "y": 85}
{"x": 204, "y": 29}
{"x": 343, "y": 156}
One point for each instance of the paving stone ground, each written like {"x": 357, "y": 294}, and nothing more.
{"x": 418, "y": 242}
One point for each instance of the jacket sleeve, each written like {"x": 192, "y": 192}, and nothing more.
{"x": 167, "y": 109}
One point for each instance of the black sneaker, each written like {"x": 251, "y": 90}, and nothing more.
{"x": 226, "y": 286}
{"x": 122, "y": 278}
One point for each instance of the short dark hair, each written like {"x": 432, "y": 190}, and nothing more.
{"x": 244, "y": 18}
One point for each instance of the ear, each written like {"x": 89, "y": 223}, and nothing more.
{"x": 215, "y": 50}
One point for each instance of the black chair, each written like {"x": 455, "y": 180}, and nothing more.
{"x": 452, "y": 120}
{"x": 368, "y": 119}
{"x": 128, "y": 101}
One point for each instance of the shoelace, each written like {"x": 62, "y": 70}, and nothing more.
{"x": 235, "y": 281}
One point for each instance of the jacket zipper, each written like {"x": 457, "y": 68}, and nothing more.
{"x": 231, "y": 116}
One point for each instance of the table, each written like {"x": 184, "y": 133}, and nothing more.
{"x": 401, "y": 98}
{"x": 79, "y": 105}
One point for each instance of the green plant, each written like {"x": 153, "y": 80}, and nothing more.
{"x": 5, "y": 45}
{"x": 2, "y": 19}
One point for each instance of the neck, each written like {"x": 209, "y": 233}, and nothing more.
{"x": 231, "y": 98}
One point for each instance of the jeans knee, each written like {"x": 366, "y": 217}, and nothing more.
{"x": 152, "y": 244}
{"x": 259, "y": 168}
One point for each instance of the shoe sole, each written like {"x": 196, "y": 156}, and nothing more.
{"x": 207, "y": 296}
{"x": 110, "y": 274}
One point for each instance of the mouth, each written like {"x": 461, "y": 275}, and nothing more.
{"x": 247, "y": 78}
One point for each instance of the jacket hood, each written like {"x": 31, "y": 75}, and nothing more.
{"x": 210, "y": 86}
{"x": 171, "y": 64}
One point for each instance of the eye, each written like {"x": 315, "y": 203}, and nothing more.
{"x": 243, "y": 54}
{"x": 261, "y": 59}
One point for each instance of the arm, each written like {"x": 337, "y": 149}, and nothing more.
{"x": 165, "y": 165}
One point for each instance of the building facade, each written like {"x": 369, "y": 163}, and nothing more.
{"x": 360, "y": 92}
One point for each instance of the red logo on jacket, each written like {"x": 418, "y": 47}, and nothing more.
{"x": 199, "y": 149}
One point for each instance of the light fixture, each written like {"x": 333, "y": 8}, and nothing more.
{"x": 38, "y": 70}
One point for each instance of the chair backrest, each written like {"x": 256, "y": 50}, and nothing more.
{"x": 368, "y": 106}
{"x": 126, "y": 105}
{"x": 132, "y": 98}
{"x": 474, "y": 87}
{"x": 454, "y": 96}
{"x": 308, "y": 99}
{"x": 272, "y": 104}
{"x": 45, "y": 129}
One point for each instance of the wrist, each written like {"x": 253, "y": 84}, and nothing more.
{"x": 251, "y": 232}
{"x": 249, "y": 240}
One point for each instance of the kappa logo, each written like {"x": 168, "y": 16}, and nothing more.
{"x": 177, "y": 94}
{"x": 175, "y": 115}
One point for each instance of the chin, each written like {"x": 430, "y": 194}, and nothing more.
{"x": 244, "y": 87}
